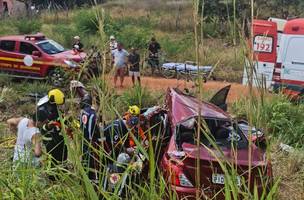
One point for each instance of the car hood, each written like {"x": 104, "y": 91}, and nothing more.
{"x": 70, "y": 55}
{"x": 182, "y": 107}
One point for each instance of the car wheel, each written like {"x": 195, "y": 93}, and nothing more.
{"x": 57, "y": 77}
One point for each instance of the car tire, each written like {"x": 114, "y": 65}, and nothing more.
{"x": 56, "y": 77}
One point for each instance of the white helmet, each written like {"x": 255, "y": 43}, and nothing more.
{"x": 75, "y": 84}
{"x": 123, "y": 158}
{"x": 112, "y": 37}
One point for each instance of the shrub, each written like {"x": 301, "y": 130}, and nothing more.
{"x": 86, "y": 21}
{"x": 66, "y": 33}
{"x": 27, "y": 26}
{"x": 132, "y": 36}
{"x": 277, "y": 116}
{"x": 139, "y": 96}
{"x": 174, "y": 46}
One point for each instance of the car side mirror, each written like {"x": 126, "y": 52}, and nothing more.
{"x": 36, "y": 53}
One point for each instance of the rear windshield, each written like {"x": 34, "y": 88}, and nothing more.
{"x": 50, "y": 47}
{"x": 223, "y": 134}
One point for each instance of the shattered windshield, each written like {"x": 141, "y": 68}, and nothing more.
{"x": 50, "y": 47}
{"x": 222, "y": 133}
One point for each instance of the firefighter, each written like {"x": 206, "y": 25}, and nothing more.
{"x": 78, "y": 88}
{"x": 134, "y": 121}
{"x": 47, "y": 108}
{"x": 122, "y": 132}
{"x": 89, "y": 127}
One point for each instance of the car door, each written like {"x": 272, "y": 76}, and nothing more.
{"x": 219, "y": 99}
{"x": 8, "y": 55}
{"x": 30, "y": 63}
{"x": 292, "y": 73}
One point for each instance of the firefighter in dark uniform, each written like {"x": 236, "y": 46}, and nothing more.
{"x": 51, "y": 129}
{"x": 89, "y": 127}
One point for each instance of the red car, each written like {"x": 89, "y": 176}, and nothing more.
{"x": 178, "y": 163}
{"x": 35, "y": 56}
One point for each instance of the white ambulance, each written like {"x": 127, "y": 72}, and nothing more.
{"x": 278, "y": 55}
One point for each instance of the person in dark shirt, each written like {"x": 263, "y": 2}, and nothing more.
{"x": 89, "y": 127}
{"x": 77, "y": 46}
{"x": 154, "y": 49}
{"x": 134, "y": 60}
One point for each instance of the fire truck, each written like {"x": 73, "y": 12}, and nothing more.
{"x": 36, "y": 57}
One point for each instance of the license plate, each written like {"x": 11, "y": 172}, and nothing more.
{"x": 220, "y": 179}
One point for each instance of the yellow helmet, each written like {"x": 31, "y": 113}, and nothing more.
{"x": 56, "y": 96}
{"x": 134, "y": 110}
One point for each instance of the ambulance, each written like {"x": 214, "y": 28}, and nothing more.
{"x": 278, "y": 61}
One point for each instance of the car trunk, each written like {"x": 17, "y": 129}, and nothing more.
{"x": 210, "y": 167}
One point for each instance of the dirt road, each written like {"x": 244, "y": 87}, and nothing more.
{"x": 161, "y": 84}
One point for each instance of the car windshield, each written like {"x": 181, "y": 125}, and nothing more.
{"x": 50, "y": 47}
{"x": 223, "y": 133}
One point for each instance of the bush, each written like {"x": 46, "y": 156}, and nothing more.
{"x": 86, "y": 21}
{"x": 139, "y": 96}
{"x": 133, "y": 36}
{"x": 27, "y": 26}
{"x": 66, "y": 33}
{"x": 277, "y": 116}
{"x": 173, "y": 47}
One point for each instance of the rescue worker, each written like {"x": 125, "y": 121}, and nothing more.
{"x": 133, "y": 123}
{"x": 122, "y": 132}
{"x": 51, "y": 128}
{"x": 78, "y": 88}
{"x": 77, "y": 45}
{"x": 89, "y": 127}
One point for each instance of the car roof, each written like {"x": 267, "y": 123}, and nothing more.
{"x": 20, "y": 38}
{"x": 182, "y": 107}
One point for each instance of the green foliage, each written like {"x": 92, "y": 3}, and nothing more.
{"x": 176, "y": 46}
{"x": 27, "y": 26}
{"x": 277, "y": 116}
{"x": 139, "y": 96}
{"x": 133, "y": 36}
{"x": 66, "y": 34}
{"x": 86, "y": 21}
{"x": 27, "y": 87}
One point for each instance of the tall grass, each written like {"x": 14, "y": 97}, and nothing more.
{"x": 73, "y": 182}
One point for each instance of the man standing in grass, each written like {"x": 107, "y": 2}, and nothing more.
{"x": 134, "y": 60}
{"x": 78, "y": 46}
{"x": 120, "y": 63}
{"x": 28, "y": 146}
{"x": 113, "y": 43}
{"x": 154, "y": 50}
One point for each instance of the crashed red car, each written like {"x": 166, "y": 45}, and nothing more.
{"x": 178, "y": 163}
{"x": 35, "y": 56}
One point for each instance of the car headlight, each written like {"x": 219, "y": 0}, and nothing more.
{"x": 71, "y": 63}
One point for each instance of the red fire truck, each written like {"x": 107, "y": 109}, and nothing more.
{"x": 36, "y": 57}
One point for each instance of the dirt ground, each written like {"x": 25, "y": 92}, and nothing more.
{"x": 161, "y": 84}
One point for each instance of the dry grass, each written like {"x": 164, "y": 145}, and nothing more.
{"x": 289, "y": 167}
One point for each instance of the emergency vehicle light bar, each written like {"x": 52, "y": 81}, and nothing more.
{"x": 37, "y": 36}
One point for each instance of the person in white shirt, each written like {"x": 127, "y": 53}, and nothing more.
{"x": 28, "y": 146}
{"x": 120, "y": 57}
{"x": 113, "y": 43}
